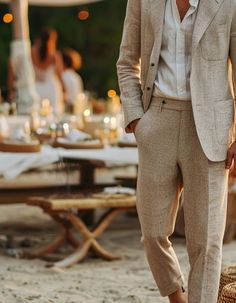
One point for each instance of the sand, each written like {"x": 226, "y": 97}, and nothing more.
{"x": 92, "y": 281}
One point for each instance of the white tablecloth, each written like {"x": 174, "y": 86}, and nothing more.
{"x": 109, "y": 155}
{"x": 13, "y": 164}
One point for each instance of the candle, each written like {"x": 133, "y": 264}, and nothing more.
{"x": 46, "y": 108}
{"x": 106, "y": 121}
{"x": 87, "y": 113}
{"x": 66, "y": 129}
{"x": 113, "y": 123}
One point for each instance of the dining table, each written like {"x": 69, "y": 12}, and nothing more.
{"x": 13, "y": 164}
{"x": 59, "y": 171}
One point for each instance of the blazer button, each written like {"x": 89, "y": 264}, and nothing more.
{"x": 153, "y": 64}
{"x": 148, "y": 88}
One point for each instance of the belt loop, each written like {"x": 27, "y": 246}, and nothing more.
{"x": 163, "y": 102}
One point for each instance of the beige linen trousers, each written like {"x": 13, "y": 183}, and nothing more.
{"x": 170, "y": 158}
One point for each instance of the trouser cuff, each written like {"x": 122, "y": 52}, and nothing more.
{"x": 173, "y": 288}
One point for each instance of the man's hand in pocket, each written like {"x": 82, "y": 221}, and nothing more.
{"x": 133, "y": 124}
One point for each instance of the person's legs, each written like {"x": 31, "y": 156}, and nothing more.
{"x": 159, "y": 186}
{"x": 205, "y": 196}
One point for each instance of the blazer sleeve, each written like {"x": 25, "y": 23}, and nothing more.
{"x": 233, "y": 49}
{"x": 128, "y": 64}
{"x": 232, "y": 55}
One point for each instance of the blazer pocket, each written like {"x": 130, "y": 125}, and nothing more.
{"x": 214, "y": 44}
{"x": 224, "y": 113}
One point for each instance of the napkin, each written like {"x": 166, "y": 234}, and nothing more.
{"x": 119, "y": 190}
{"x": 77, "y": 135}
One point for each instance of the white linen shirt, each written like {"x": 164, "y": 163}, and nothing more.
{"x": 174, "y": 67}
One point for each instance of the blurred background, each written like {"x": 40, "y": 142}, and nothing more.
{"x": 93, "y": 29}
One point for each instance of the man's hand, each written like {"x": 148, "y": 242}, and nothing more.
{"x": 231, "y": 159}
{"x": 133, "y": 124}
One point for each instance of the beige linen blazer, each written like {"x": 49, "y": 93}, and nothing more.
{"x": 212, "y": 85}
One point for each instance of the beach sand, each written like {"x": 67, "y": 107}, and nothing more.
{"x": 92, "y": 281}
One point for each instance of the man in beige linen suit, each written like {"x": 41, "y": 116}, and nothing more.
{"x": 177, "y": 95}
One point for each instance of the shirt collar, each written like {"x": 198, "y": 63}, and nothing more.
{"x": 194, "y": 3}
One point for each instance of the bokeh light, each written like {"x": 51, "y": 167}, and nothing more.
{"x": 8, "y": 18}
{"x": 87, "y": 113}
{"x": 83, "y": 15}
{"x": 111, "y": 93}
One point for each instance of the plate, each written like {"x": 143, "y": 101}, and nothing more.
{"x": 20, "y": 147}
{"x": 88, "y": 144}
{"x": 103, "y": 195}
{"x": 126, "y": 144}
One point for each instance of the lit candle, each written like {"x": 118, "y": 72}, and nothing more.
{"x": 113, "y": 123}
{"x": 106, "y": 121}
{"x": 45, "y": 107}
{"x": 66, "y": 129}
{"x": 87, "y": 115}
{"x": 106, "y": 130}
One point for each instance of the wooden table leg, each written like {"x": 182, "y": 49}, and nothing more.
{"x": 90, "y": 242}
{"x": 74, "y": 258}
{"x": 72, "y": 240}
{"x": 48, "y": 249}
{"x": 64, "y": 236}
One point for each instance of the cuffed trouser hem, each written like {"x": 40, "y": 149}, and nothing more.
{"x": 178, "y": 284}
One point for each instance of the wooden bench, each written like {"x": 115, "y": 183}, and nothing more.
{"x": 65, "y": 213}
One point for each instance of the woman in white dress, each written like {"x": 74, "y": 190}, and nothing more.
{"x": 72, "y": 80}
{"x": 48, "y": 68}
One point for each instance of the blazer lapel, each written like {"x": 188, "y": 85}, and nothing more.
{"x": 206, "y": 12}
{"x": 157, "y": 13}
{"x": 157, "y": 10}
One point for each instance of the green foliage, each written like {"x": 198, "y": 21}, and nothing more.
{"x": 97, "y": 39}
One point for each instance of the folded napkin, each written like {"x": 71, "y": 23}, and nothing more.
{"x": 119, "y": 190}
{"x": 77, "y": 135}
{"x": 86, "y": 142}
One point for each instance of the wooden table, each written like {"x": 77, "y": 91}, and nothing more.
{"x": 64, "y": 212}
{"x": 86, "y": 161}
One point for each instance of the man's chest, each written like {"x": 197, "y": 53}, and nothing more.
{"x": 211, "y": 23}
{"x": 182, "y": 6}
